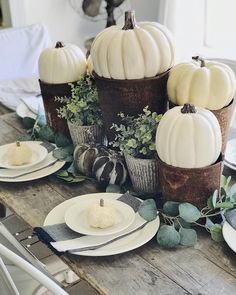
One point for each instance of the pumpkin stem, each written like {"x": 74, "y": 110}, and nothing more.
{"x": 188, "y": 108}
{"x": 198, "y": 58}
{"x": 130, "y": 22}
{"x": 59, "y": 44}
{"x": 17, "y": 143}
{"x": 101, "y": 203}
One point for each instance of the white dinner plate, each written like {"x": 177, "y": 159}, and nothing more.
{"x": 37, "y": 171}
{"x": 128, "y": 243}
{"x": 76, "y": 217}
{"x": 229, "y": 234}
{"x": 23, "y": 111}
{"x": 230, "y": 154}
{"x": 39, "y": 153}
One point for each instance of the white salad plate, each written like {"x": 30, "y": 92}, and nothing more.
{"x": 230, "y": 154}
{"x": 229, "y": 234}
{"x": 48, "y": 166}
{"x": 39, "y": 153}
{"x": 122, "y": 245}
{"x": 76, "y": 217}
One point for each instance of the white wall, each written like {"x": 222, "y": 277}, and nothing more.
{"x": 67, "y": 25}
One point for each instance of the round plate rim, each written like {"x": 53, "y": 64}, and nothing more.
{"x": 68, "y": 213}
{"x": 228, "y": 231}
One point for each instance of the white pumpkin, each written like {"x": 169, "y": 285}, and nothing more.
{"x": 63, "y": 63}
{"x": 101, "y": 215}
{"x": 203, "y": 83}
{"x": 19, "y": 154}
{"x": 135, "y": 51}
{"x": 188, "y": 137}
{"x": 89, "y": 65}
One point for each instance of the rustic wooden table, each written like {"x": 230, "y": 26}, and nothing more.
{"x": 207, "y": 268}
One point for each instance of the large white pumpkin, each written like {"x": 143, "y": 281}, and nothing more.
{"x": 206, "y": 84}
{"x": 135, "y": 51}
{"x": 188, "y": 137}
{"x": 63, "y": 63}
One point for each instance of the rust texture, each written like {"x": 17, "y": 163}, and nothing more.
{"x": 189, "y": 185}
{"x": 223, "y": 116}
{"x": 130, "y": 97}
{"x": 49, "y": 91}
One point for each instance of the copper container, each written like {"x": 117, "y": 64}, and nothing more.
{"x": 130, "y": 97}
{"x": 193, "y": 185}
{"x": 49, "y": 92}
{"x": 224, "y": 117}
{"x": 143, "y": 174}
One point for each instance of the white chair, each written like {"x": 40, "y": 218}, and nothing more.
{"x": 9, "y": 285}
{"x": 19, "y": 53}
{"x": 13, "y": 259}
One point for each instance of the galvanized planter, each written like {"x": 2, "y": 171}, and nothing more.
{"x": 194, "y": 185}
{"x": 143, "y": 174}
{"x": 84, "y": 134}
{"x": 130, "y": 97}
{"x": 224, "y": 117}
{"x": 49, "y": 91}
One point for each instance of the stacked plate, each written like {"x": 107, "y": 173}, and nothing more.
{"x": 229, "y": 229}
{"x": 41, "y": 164}
{"x": 129, "y": 232}
{"x": 230, "y": 154}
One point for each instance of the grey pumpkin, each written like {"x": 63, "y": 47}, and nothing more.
{"x": 109, "y": 169}
{"x": 84, "y": 157}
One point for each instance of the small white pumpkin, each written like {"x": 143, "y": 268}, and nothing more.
{"x": 19, "y": 154}
{"x": 135, "y": 51}
{"x": 101, "y": 215}
{"x": 203, "y": 83}
{"x": 63, "y": 63}
{"x": 188, "y": 137}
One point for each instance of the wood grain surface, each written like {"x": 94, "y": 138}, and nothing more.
{"x": 207, "y": 268}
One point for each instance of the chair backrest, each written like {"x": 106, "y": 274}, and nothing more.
{"x": 13, "y": 253}
{"x": 20, "y": 49}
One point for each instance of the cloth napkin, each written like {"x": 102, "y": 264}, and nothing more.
{"x": 33, "y": 103}
{"x": 63, "y": 234}
{"x": 230, "y": 216}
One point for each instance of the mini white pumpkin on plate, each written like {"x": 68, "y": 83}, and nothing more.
{"x": 188, "y": 137}
{"x": 135, "y": 51}
{"x": 207, "y": 84}
{"x": 63, "y": 63}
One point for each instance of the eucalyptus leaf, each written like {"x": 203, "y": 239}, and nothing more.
{"x": 180, "y": 222}
{"x": 168, "y": 236}
{"x": 148, "y": 210}
{"x": 61, "y": 140}
{"x": 64, "y": 153}
{"x": 188, "y": 237}
{"x": 62, "y": 173}
{"x": 224, "y": 205}
{"x": 113, "y": 188}
{"x": 211, "y": 202}
{"x": 216, "y": 233}
{"x": 225, "y": 182}
{"x": 71, "y": 169}
{"x": 46, "y": 133}
{"x": 171, "y": 208}
{"x": 28, "y": 122}
{"x": 189, "y": 212}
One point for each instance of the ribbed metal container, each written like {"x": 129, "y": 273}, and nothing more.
{"x": 143, "y": 174}
{"x": 84, "y": 134}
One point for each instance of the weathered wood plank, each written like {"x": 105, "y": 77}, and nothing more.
{"x": 190, "y": 269}
{"x": 126, "y": 274}
{"x": 7, "y": 133}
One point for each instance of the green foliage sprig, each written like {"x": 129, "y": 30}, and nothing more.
{"x": 179, "y": 220}
{"x": 83, "y": 107}
{"x": 136, "y": 136}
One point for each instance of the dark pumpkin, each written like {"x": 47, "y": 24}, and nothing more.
{"x": 109, "y": 169}
{"x": 84, "y": 157}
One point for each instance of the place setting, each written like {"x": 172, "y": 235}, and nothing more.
{"x": 99, "y": 224}
{"x": 27, "y": 160}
